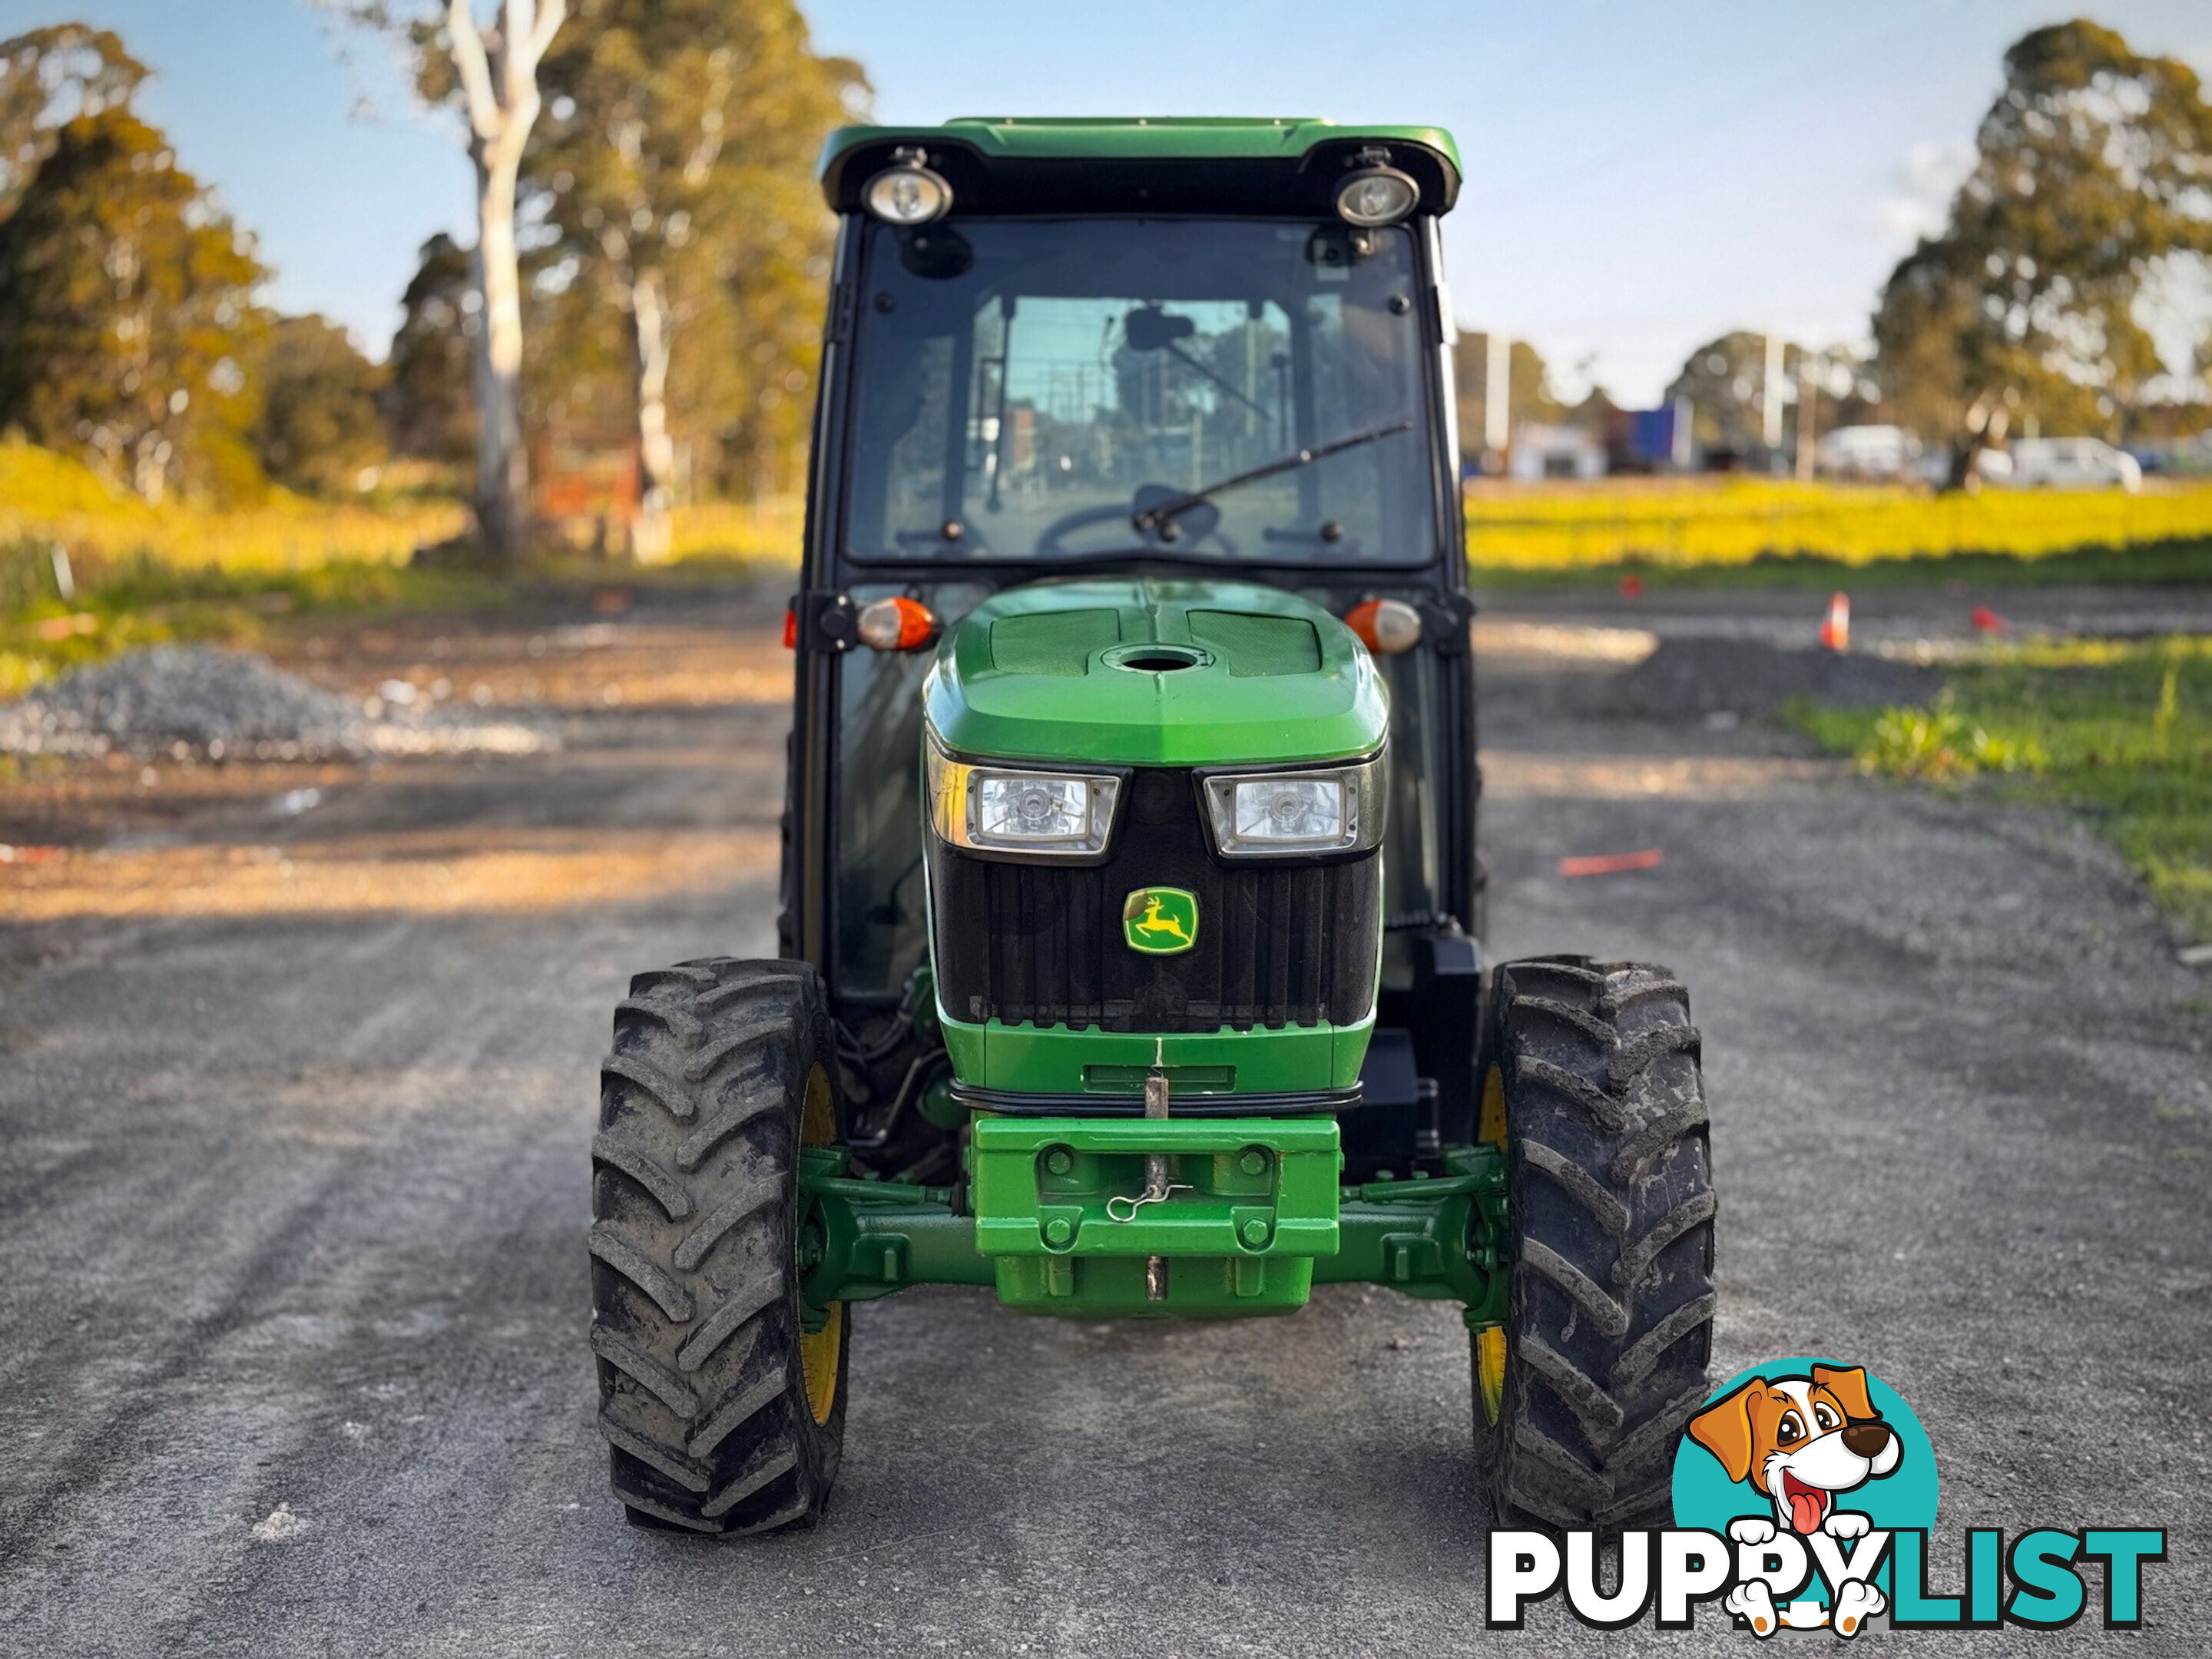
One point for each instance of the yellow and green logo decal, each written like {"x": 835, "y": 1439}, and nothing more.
{"x": 1160, "y": 921}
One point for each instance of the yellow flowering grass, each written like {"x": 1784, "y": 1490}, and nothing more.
{"x": 1664, "y": 522}
{"x": 53, "y": 498}
{"x": 1727, "y": 521}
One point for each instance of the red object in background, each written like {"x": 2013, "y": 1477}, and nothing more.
{"x": 1612, "y": 864}
{"x": 1836, "y": 626}
{"x": 1987, "y": 620}
{"x": 791, "y": 630}
{"x": 1631, "y": 586}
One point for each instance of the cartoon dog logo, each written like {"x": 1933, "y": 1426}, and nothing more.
{"x": 1799, "y": 1441}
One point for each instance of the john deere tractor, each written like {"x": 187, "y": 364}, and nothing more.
{"x": 1130, "y": 906}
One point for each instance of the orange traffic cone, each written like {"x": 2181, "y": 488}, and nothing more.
{"x": 1836, "y": 626}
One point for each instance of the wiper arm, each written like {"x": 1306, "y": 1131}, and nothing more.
{"x": 1160, "y": 513}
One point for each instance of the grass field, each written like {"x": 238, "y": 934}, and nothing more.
{"x": 128, "y": 574}
{"x": 1720, "y": 525}
{"x": 2119, "y": 731}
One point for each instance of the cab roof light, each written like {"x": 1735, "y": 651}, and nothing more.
{"x": 1377, "y": 194}
{"x": 907, "y": 192}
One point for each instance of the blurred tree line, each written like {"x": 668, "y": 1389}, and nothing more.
{"x": 673, "y": 251}
{"x": 130, "y": 328}
{"x": 669, "y": 253}
{"x": 2085, "y": 222}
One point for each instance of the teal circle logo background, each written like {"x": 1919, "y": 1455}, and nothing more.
{"x": 1905, "y": 1498}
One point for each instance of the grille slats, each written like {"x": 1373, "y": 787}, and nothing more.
{"x": 1036, "y": 943}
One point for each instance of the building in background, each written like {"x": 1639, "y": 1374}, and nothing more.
{"x": 1541, "y": 450}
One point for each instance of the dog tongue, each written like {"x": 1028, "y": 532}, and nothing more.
{"x": 1804, "y": 1508}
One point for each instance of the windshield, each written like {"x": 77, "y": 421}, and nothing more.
{"x": 1040, "y": 389}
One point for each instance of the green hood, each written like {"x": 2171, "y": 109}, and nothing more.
{"x": 1058, "y": 671}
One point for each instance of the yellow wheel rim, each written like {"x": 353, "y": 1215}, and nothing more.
{"x": 1490, "y": 1128}
{"x": 1490, "y": 1372}
{"x": 819, "y": 1350}
{"x": 817, "y": 1362}
{"x": 1489, "y": 1345}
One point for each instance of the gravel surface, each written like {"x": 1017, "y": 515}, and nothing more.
{"x": 1705, "y": 676}
{"x": 233, "y": 704}
{"x": 291, "y": 1213}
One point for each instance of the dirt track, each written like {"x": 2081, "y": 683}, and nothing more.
{"x": 294, "y": 1107}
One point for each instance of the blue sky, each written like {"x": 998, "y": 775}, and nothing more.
{"x": 1640, "y": 178}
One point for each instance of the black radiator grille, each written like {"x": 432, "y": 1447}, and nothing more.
{"x": 1278, "y": 943}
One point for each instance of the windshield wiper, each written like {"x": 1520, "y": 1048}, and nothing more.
{"x": 1150, "y": 519}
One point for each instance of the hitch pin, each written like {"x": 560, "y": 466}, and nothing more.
{"x": 1158, "y": 1186}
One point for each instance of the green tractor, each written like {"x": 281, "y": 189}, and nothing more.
{"x": 1131, "y": 904}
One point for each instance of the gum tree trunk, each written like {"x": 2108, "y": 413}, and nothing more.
{"x": 498, "y": 75}
{"x": 502, "y": 502}
{"x": 650, "y": 328}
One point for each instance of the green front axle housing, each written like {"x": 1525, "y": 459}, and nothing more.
{"x": 1254, "y": 1217}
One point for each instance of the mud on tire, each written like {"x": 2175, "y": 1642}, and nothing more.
{"x": 712, "y": 1397}
{"x": 1609, "y": 1329}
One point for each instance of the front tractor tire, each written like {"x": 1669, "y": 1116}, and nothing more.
{"x": 724, "y": 1414}
{"x": 1591, "y": 1081}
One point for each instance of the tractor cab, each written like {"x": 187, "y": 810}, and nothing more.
{"x": 1143, "y": 433}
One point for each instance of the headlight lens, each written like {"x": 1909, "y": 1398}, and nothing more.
{"x": 1003, "y": 810}
{"x": 1336, "y": 810}
{"x": 908, "y": 195}
{"x": 1016, "y": 807}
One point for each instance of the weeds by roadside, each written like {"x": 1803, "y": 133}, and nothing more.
{"x": 2120, "y": 731}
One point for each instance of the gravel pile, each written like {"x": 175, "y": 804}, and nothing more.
{"x": 233, "y": 705}
{"x": 1690, "y": 677}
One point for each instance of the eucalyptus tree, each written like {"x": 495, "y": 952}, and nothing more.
{"x": 2091, "y": 189}
{"x": 129, "y": 311}
{"x": 487, "y": 73}
{"x": 673, "y": 172}
{"x": 48, "y": 77}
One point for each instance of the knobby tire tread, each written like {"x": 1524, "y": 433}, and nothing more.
{"x": 696, "y": 1316}
{"x": 1610, "y": 1327}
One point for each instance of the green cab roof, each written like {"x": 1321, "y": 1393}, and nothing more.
{"x": 1021, "y": 164}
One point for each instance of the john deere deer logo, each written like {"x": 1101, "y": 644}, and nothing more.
{"x": 1160, "y": 921}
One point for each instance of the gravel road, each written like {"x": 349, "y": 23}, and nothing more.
{"x": 292, "y": 1189}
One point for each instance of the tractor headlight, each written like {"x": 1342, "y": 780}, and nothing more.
{"x": 996, "y": 809}
{"x": 1336, "y": 810}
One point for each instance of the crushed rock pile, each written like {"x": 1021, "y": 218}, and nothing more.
{"x": 233, "y": 705}
{"x": 1691, "y": 676}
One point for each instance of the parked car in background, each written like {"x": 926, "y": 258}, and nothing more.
{"x": 2071, "y": 464}
{"x": 1866, "y": 453}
